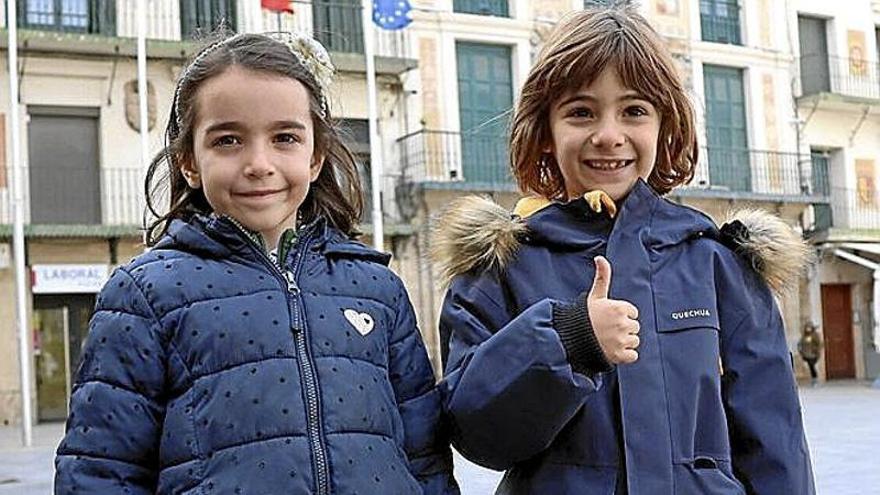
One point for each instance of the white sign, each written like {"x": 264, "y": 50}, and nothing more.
{"x": 5, "y": 255}
{"x": 69, "y": 279}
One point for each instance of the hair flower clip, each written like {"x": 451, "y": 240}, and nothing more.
{"x": 313, "y": 56}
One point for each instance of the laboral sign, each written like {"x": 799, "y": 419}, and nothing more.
{"x": 68, "y": 279}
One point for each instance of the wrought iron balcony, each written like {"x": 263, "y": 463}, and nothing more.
{"x": 451, "y": 160}
{"x": 850, "y": 208}
{"x": 821, "y": 73}
{"x": 759, "y": 175}
{"x": 67, "y": 199}
{"x": 335, "y": 23}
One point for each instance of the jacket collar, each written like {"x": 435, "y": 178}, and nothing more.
{"x": 216, "y": 236}
{"x": 574, "y": 225}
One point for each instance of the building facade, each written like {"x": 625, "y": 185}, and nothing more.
{"x": 80, "y": 143}
{"x": 788, "y": 107}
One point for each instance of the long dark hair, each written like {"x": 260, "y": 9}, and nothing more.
{"x": 335, "y": 195}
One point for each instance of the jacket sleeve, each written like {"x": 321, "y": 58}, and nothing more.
{"x": 509, "y": 386}
{"x": 418, "y": 400}
{"x": 117, "y": 406}
{"x": 768, "y": 443}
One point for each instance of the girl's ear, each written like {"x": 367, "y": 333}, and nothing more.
{"x": 190, "y": 173}
{"x": 317, "y": 165}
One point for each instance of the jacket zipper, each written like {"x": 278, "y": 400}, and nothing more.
{"x": 304, "y": 357}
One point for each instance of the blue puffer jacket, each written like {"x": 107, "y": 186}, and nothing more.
{"x": 711, "y": 405}
{"x": 209, "y": 370}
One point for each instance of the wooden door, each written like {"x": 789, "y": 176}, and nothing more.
{"x": 837, "y": 330}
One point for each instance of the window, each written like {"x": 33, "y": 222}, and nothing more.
{"x": 355, "y": 134}
{"x": 63, "y": 158}
{"x": 819, "y": 167}
{"x": 815, "y": 73}
{"x": 719, "y": 20}
{"x": 79, "y": 16}
{"x": 485, "y": 96}
{"x": 726, "y": 131}
{"x": 498, "y": 8}
{"x": 204, "y": 16}
{"x": 338, "y": 25}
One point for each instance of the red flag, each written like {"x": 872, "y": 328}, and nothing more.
{"x": 277, "y": 5}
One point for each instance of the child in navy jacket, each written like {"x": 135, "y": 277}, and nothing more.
{"x": 255, "y": 348}
{"x": 671, "y": 377}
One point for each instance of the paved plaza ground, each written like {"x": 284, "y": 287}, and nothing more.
{"x": 842, "y": 421}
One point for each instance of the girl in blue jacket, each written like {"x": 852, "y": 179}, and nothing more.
{"x": 256, "y": 348}
{"x": 671, "y": 377}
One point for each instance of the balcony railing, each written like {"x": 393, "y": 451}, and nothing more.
{"x": 456, "y": 160}
{"x": 448, "y": 159}
{"x": 337, "y": 24}
{"x": 121, "y": 198}
{"x": 821, "y": 73}
{"x": 850, "y": 209}
{"x": 755, "y": 173}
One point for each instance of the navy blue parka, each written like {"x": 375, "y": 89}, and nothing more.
{"x": 711, "y": 405}
{"x": 208, "y": 369}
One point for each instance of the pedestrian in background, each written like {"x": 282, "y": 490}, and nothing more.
{"x": 810, "y": 349}
{"x": 256, "y": 348}
{"x": 669, "y": 375}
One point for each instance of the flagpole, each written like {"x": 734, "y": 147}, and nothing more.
{"x": 143, "y": 106}
{"x": 24, "y": 341}
{"x": 375, "y": 145}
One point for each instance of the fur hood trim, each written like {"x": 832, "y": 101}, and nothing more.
{"x": 473, "y": 232}
{"x": 773, "y": 248}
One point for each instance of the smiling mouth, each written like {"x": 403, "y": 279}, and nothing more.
{"x": 260, "y": 193}
{"x": 608, "y": 165}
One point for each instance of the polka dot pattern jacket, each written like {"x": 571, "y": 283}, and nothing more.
{"x": 208, "y": 369}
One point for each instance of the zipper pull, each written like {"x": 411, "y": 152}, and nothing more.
{"x": 291, "y": 283}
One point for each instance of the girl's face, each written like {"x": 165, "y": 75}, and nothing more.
{"x": 253, "y": 148}
{"x": 604, "y": 136}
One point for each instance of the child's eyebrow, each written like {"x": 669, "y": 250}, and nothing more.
{"x": 232, "y": 125}
{"x": 588, "y": 98}
{"x": 288, "y": 124}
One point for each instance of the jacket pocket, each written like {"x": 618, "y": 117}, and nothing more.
{"x": 689, "y": 349}
{"x": 704, "y": 475}
{"x": 694, "y": 307}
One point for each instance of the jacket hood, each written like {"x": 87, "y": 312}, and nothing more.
{"x": 213, "y": 236}
{"x": 475, "y": 233}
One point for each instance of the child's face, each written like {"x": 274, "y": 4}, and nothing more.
{"x": 604, "y": 137}
{"x": 254, "y": 150}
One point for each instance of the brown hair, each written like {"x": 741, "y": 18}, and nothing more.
{"x": 580, "y": 47}
{"x": 336, "y": 194}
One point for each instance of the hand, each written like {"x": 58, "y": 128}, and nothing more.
{"x": 615, "y": 322}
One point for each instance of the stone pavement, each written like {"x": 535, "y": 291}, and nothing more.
{"x": 842, "y": 421}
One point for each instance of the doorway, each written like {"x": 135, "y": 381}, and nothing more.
{"x": 837, "y": 331}
{"x": 61, "y": 322}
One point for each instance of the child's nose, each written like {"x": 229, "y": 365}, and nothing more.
{"x": 607, "y": 135}
{"x": 259, "y": 163}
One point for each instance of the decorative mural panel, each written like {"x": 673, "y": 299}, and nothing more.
{"x": 866, "y": 187}
{"x": 857, "y": 53}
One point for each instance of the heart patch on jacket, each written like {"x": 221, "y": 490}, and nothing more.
{"x": 362, "y": 322}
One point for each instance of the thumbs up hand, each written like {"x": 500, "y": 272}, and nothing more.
{"x": 615, "y": 322}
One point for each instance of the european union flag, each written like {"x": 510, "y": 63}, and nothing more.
{"x": 391, "y": 14}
